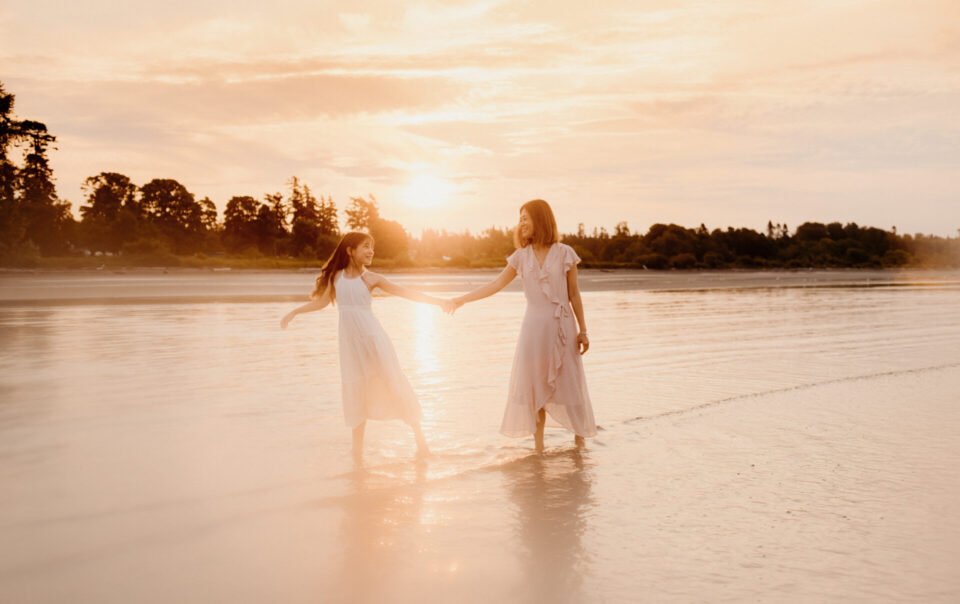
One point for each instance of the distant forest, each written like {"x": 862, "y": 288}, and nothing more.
{"x": 161, "y": 223}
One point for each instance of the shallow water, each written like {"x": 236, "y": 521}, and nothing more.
{"x": 797, "y": 443}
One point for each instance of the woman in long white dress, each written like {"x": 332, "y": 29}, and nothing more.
{"x": 374, "y": 386}
{"x": 547, "y": 375}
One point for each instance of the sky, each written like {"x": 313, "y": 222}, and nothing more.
{"x": 452, "y": 114}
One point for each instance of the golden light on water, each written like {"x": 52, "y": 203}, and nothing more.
{"x": 425, "y": 349}
{"x": 425, "y": 354}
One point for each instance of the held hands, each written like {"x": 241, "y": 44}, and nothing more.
{"x": 286, "y": 320}
{"x": 451, "y": 305}
{"x": 583, "y": 342}
{"x": 448, "y": 306}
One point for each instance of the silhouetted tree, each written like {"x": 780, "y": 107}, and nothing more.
{"x": 208, "y": 214}
{"x": 391, "y": 239}
{"x": 272, "y": 226}
{"x": 169, "y": 206}
{"x": 111, "y": 215}
{"x": 11, "y": 222}
{"x": 361, "y": 212}
{"x": 327, "y": 220}
{"x": 46, "y": 218}
{"x": 305, "y": 231}
{"x": 811, "y": 231}
{"x": 670, "y": 240}
{"x": 107, "y": 193}
{"x": 240, "y": 223}
{"x": 167, "y": 217}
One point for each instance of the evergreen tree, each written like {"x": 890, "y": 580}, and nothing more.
{"x": 327, "y": 220}
{"x": 11, "y": 223}
{"x": 361, "y": 213}
{"x": 46, "y": 218}
{"x": 305, "y": 231}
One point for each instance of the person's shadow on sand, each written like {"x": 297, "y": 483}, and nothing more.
{"x": 551, "y": 493}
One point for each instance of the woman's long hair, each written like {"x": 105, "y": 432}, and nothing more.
{"x": 338, "y": 260}
{"x": 544, "y": 225}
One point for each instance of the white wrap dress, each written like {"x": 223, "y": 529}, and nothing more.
{"x": 547, "y": 368}
{"x": 374, "y": 386}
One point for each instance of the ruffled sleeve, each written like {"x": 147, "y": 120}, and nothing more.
{"x": 515, "y": 260}
{"x": 569, "y": 257}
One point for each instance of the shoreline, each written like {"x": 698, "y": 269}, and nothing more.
{"x": 185, "y": 285}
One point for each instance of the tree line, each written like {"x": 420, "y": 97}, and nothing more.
{"x": 162, "y": 222}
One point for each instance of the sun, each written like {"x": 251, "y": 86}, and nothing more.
{"x": 428, "y": 191}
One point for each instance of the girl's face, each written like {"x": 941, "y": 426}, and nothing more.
{"x": 363, "y": 253}
{"x": 526, "y": 224}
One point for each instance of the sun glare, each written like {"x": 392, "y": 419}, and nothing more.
{"x": 428, "y": 191}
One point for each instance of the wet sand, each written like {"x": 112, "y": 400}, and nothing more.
{"x": 792, "y": 444}
{"x": 801, "y": 496}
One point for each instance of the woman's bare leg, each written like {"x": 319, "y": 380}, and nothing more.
{"x": 358, "y": 440}
{"x": 538, "y": 435}
{"x": 422, "y": 448}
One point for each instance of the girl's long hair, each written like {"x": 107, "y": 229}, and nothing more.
{"x": 337, "y": 261}
{"x": 544, "y": 225}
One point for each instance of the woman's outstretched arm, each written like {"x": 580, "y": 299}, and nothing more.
{"x": 573, "y": 291}
{"x": 310, "y": 306}
{"x": 505, "y": 277}
{"x": 374, "y": 280}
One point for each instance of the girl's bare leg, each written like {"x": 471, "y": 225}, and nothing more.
{"x": 358, "y": 440}
{"x": 538, "y": 435}
{"x": 422, "y": 448}
{"x": 579, "y": 442}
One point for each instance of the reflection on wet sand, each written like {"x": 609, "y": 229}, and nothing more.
{"x": 379, "y": 535}
{"x": 551, "y": 496}
{"x": 155, "y": 451}
{"x": 405, "y": 537}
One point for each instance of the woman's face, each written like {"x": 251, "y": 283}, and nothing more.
{"x": 526, "y": 224}
{"x": 363, "y": 253}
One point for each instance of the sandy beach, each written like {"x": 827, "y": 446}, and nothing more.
{"x": 197, "y": 285}
{"x": 763, "y": 438}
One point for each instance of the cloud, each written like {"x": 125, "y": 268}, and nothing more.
{"x": 663, "y": 110}
{"x": 248, "y": 101}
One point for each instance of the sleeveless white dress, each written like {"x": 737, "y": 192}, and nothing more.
{"x": 374, "y": 386}
{"x": 547, "y": 368}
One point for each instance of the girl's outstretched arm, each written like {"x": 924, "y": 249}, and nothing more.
{"x": 506, "y": 276}
{"x": 573, "y": 290}
{"x": 374, "y": 280}
{"x": 310, "y": 306}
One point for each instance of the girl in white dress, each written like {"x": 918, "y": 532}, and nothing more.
{"x": 547, "y": 375}
{"x": 374, "y": 386}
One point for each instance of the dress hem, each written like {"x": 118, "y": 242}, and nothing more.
{"x": 545, "y": 406}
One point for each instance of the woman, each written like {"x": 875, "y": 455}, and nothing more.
{"x": 547, "y": 375}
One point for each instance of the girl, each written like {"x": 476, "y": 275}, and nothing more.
{"x": 374, "y": 386}
{"x": 547, "y": 375}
